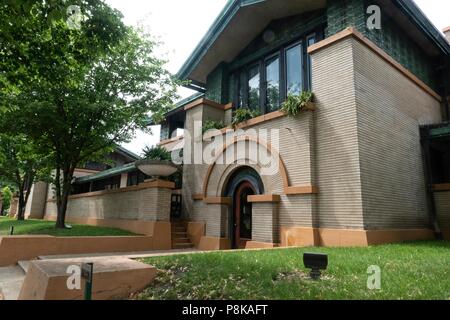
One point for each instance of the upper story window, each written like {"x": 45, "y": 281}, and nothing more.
{"x": 265, "y": 84}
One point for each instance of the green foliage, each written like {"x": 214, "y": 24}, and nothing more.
{"x": 156, "y": 153}
{"x": 417, "y": 270}
{"x": 244, "y": 114}
{"x": 77, "y": 93}
{"x": 294, "y": 104}
{"x": 6, "y": 195}
{"x": 42, "y": 227}
{"x": 21, "y": 166}
{"x": 211, "y": 125}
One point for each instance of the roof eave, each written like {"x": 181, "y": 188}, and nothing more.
{"x": 416, "y": 15}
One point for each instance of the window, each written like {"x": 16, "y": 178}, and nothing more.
{"x": 273, "y": 84}
{"x": 310, "y": 41}
{"x": 294, "y": 74}
{"x": 265, "y": 84}
{"x": 254, "y": 87}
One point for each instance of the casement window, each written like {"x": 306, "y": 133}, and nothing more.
{"x": 265, "y": 84}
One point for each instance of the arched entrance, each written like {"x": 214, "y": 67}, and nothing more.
{"x": 242, "y": 183}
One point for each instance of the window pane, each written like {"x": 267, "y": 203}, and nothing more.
{"x": 273, "y": 84}
{"x": 294, "y": 77}
{"x": 311, "y": 40}
{"x": 253, "y": 87}
{"x": 241, "y": 102}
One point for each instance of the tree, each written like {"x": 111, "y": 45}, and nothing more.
{"x": 6, "y": 195}
{"x": 82, "y": 108}
{"x": 27, "y": 34}
{"x": 21, "y": 166}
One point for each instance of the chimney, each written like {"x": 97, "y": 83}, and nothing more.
{"x": 447, "y": 33}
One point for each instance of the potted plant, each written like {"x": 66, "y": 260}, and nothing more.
{"x": 243, "y": 115}
{"x": 294, "y": 104}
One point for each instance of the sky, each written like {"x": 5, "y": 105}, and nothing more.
{"x": 181, "y": 24}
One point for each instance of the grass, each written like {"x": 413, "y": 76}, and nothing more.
{"x": 42, "y": 227}
{"x": 417, "y": 270}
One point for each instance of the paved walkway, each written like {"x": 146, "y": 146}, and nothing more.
{"x": 11, "y": 278}
{"x": 130, "y": 255}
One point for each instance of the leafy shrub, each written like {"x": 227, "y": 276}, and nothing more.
{"x": 212, "y": 124}
{"x": 242, "y": 115}
{"x": 156, "y": 153}
{"x": 294, "y": 104}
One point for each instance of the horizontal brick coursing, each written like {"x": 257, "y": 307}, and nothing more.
{"x": 336, "y": 145}
{"x": 146, "y": 204}
{"x": 390, "y": 109}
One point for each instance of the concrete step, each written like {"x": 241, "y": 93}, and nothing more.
{"x": 24, "y": 265}
{"x": 178, "y": 224}
{"x": 182, "y": 245}
{"x": 11, "y": 280}
{"x": 181, "y": 240}
{"x": 177, "y": 235}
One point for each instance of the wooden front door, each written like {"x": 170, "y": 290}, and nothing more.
{"x": 242, "y": 226}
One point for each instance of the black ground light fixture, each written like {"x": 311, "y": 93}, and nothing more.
{"x": 315, "y": 262}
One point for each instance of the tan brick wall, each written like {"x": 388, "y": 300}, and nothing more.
{"x": 35, "y": 207}
{"x": 265, "y": 225}
{"x": 337, "y": 162}
{"x": 390, "y": 109}
{"x": 298, "y": 155}
{"x": 151, "y": 204}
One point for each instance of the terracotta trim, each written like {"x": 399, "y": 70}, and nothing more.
{"x": 446, "y": 29}
{"x": 218, "y": 200}
{"x": 260, "y": 245}
{"x": 228, "y": 106}
{"x": 167, "y": 141}
{"x": 273, "y": 198}
{"x": 86, "y": 170}
{"x": 297, "y": 190}
{"x": 197, "y": 197}
{"x": 203, "y": 101}
{"x": 145, "y": 185}
{"x": 283, "y": 171}
{"x": 441, "y": 187}
{"x": 297, "y": 236}
{"x": 352, "y": 32}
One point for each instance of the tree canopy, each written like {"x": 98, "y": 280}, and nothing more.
{"x": 77, "y": 93}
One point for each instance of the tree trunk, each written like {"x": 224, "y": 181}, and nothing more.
{"x": 62, "y": 197}
{"x": 21, "y": 209}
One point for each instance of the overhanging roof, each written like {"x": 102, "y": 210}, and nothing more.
{"x": 242, "y": 20}
{"x": 107, "y": 173}
{"x": 235, "y": 27}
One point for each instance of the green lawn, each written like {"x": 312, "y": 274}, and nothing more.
{"x": 418, "y": 270}
{"x": 48, "y": 228}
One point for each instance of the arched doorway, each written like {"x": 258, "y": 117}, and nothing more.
{"x": 242, "y": 183}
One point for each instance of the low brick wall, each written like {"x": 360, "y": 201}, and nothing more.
{"x": 149, "y": 201}
{"x": 17, "y": 248}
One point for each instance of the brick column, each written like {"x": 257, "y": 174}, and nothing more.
{"x": 155, "y": 199}
{"x": 264, "y": 218}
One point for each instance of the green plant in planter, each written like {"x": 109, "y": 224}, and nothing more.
{"x": 294, "y": 104}
{"x": 156, "y": 153}
{"x": 212, "y": 124}
{"x": 242, "y": 115}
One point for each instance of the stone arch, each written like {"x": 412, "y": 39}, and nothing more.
{"x": 268, "y": 146}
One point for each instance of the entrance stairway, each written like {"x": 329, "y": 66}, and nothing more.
{"x": 180, "y": 239}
